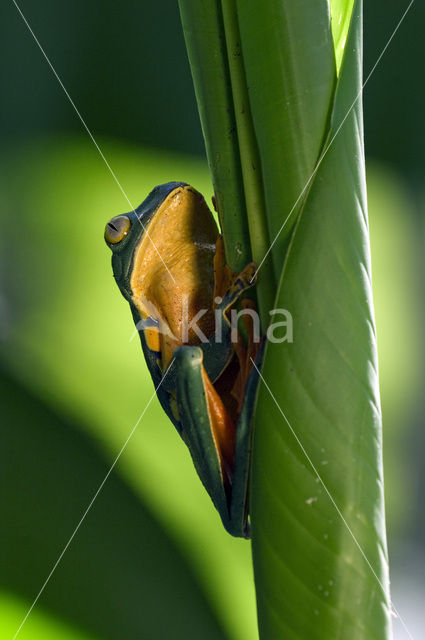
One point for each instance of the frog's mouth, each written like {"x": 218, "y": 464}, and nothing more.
{"x": 172, "y": 268}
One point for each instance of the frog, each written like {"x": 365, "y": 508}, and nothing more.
{"x": 168, "y": 260}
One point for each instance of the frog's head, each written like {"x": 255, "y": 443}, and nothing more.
{"x": 124, "y": 232}
{"x": 163, "y": 252}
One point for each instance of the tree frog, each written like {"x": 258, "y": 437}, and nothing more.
{"x": 168, "y": 261}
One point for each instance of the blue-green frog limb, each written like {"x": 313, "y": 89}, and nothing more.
{"x": 168, "y": 261}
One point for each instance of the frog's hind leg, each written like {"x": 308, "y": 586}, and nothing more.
{"x": 208, "y": 429}
{"x": 243, "y": 445}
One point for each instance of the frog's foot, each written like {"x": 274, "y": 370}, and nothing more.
{"x": 229, "y": 285}
{"x": 243, "y": 281}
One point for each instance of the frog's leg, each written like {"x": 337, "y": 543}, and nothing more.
{"x": 208, "y": 430}
{"x": 243, "y": 390}
{"x": 239, "y": 506}
{"x": 230, "y": 287}
{"x": 221, "y": 453}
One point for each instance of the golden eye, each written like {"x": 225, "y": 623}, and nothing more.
{"x": 117, "y": 229}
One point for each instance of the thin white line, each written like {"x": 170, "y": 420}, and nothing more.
{"x": 88, "y": 130}
{"x": 90, "y": 504}
{"x": 319, "y": 162}
{"x": 331, "y": 499}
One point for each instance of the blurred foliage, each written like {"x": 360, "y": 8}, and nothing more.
{"x": 42, "y": 625}
{"x": 126, "y": 66}
{"x": 122, "y": 570}
{"x": 396, "y": 276}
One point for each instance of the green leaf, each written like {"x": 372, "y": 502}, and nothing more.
{"x": 290, "y": 72}
{"x": 341, "y": 11}
{"x": 317, "y": 484}
{"x": 204, "y": 34}
{"x": 252, "y": 66}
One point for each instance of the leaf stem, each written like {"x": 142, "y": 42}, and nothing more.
{"x": 249, "y": 158}
{"x": 204, "y": 35}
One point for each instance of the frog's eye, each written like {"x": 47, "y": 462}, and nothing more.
{"x": 117, "y": 229}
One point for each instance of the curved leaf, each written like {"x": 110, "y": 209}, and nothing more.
{"x": 317, "y": 485}
{"x": 290, "y": 72}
